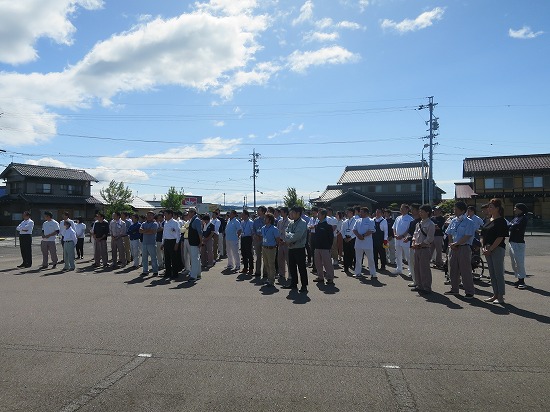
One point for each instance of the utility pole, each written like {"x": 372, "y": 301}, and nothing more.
{"x": 255, "y": 171}
{"x": 434, "y": 126}
{"x": 224, "y": 200}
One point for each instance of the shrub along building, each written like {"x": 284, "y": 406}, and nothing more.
{"x": 379, "y": 186}
{"x": 44, "y": 188}
{"x": 515, "y": 179}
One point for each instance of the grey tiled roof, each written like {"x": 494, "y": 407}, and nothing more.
{"x": 382, "y": 173}
{"x": 506, "y": 163}
{"x": 336, "y": 191}
{"x": 48, "y": 172}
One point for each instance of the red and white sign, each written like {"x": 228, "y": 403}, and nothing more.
{"x": 189, "y": 201}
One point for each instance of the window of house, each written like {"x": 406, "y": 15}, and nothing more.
{"x": 494, "y": 183}
{"x": 74, "y": 190}
{"x": 398, "y": 188}
{"x": 378, "y": 188}
{"x": 413, "y": 187}
{"x": 44, "y": 188}
{"x": 16, "y": 187}
{"x": 532, "y": 181}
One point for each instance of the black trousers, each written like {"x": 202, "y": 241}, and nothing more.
{"x": 379, "y": 251}
{"x": 170, "y": 256}
{"x": 349, "y": 254}
{"x": 246, "y": 252}
{"x": 25, "y": 242}
{"x": 80, "y": 247}
{"x": 297, "y": 262}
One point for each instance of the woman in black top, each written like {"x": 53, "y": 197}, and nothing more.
{"x": 494, "y": 231}
{"x": 517, "y": 244}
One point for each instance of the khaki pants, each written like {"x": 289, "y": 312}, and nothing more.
{"x": 258, "y": 251}
{"x": 100, "y": 252}
{"x": 48, "y": 247}
{"x": 323, "y": 264}
{"x": 127, "y": 249}
{"x": 268, "y": 256}
{"x": 282, "y": 258}
{"x": 117, "y": 247}
{"x": 422, "y": 269}
{"x": 215, "y": 240}
{"x": 460, "y": 266}
{"x": 437, "y": 247}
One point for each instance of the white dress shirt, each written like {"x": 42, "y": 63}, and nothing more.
{"x": 171, "y": 230}
{"x": 25, "y": 227}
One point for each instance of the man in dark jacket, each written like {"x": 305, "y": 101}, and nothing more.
{"x": 322, "y": 242}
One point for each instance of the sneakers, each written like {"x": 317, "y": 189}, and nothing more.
{"x": 412, "y": 285}
{"x": 520, "y": 284}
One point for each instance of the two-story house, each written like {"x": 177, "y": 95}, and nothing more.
{"x": 44, "y": 188}
{"x": 382, "y": 184}
{"x": 514, "y": 179}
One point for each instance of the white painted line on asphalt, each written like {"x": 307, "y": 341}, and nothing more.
{"x": 145, "y": 355}
{"x": 105, "y": 384}
{"x": 400, "y": 388}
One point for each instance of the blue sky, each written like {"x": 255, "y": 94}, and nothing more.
{"x": 178, "y": 93}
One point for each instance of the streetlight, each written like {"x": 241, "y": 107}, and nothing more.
{"x": 422, "y": 171}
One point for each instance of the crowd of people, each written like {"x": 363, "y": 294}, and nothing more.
{"x": 278, "y": 244}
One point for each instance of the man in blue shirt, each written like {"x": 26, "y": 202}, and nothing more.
{"x": 270, "y": 236}
{"x": 149, "y": 230}
{"x": 258, "y": 224}
{"x": 247, "y": 227}
{"x": 461, "y": 234}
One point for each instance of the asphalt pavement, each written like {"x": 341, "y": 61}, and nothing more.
{"x": 108, "y": 340}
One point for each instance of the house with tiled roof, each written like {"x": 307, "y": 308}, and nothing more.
{"x": 382, "y": 185}
{"x": 514, "y": 179}
{"x": 45, "y": 188}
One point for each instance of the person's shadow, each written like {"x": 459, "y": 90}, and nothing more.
{"x": 298, "y": 298}
{"x": 328, "y": 289}
{"x": 268, "y": 290}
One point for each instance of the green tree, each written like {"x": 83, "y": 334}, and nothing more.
{"x": 173, "y": 199}
{"x": 291, "y": 198}
{"x": 117, "y": 196}
{"x": 447, "y": 206}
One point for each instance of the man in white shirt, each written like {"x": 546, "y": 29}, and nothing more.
{"x": 216, "y": 237}
{"x": 62, "y": 229}
{"x": 25, "y": 239}
{"x": 380, "y": 239}
{"x": 349, "y": 240}
{"x": 401, "y": 232}
{"x": 50, "y": 229}
{"x": 170, "y": 243}
{"x": 331, "y": 220}
{"x": 363, "y": 229}
{"x": 80, "y": 229}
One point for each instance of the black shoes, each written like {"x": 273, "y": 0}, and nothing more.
{"x": 303, "y": 289}
{"x": 294, "y": 287}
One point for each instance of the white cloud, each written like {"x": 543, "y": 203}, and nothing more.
{"x": 363, "y": 4}
{"x": 196, "y": 50}
{"x": 300, "y": 61}
{"x": 260, "y": 75}
{"x": 321, "y": 36}
{"x": 47, "y": 161}
{"x": 22, "y": 23}
{"x": 219, "y": 123}
{"x": 524, "y": 33}
{"x": 306, "y": 13}
{"x": 210, "y": 147}
{"x": 348, "y": 25}
{"x": 289, "y": 129}
{"x": 424, "y": 20}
